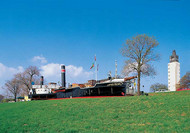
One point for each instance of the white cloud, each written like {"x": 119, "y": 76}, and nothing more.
{"x": 77, "y": 72}
{"x": 52, "y": 72}
{"x": 6, "y": 73}
{"x": 40, "y": 59}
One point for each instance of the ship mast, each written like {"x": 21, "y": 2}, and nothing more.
{"x": 96, "y": 73}
{"x": 115, "y": 69}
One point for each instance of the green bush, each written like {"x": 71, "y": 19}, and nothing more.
{"x": 7, "y": 100}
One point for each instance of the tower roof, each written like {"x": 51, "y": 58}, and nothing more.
{"x": 174, "y": 57}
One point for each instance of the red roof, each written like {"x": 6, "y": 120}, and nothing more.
{"x": 183, "y": 89}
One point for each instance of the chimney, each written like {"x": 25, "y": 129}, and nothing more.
{"x": 41, "y": 81}
{"x": 63, "y": 76}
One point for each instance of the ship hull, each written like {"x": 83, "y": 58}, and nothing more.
{"x": 105, "y": 89}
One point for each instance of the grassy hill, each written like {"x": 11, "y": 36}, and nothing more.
{"x": 159, "y": 112}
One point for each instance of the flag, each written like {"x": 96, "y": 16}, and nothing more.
{"x": 97, "y": 67}
{"x": 95, "y": 58}
{"x": 92, "y": 66}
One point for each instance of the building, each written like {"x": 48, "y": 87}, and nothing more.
{"x": 173, "y": 72}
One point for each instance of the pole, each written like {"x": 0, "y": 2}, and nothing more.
{"x": 115, "y": 69}
{"x": 96, "y": 75}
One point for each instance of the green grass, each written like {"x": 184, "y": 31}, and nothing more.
{"x": 161, "y": 112}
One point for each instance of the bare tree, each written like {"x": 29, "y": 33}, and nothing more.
{"x": 140, "y": 52}
{"x": 26, "y": 78}
{"x": 13, "y": 86}
{"x": 157, "y": 87}
{"x": 25, "y": 84}
{"x": 185, "y": 81}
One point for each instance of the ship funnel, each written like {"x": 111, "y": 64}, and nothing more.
{"x": 63, "y": 76}
{"x": 41, "y": 81}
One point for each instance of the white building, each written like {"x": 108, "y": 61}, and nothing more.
{"x": 173, "y": 72}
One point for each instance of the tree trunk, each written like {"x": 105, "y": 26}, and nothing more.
{"x": 15, "y": 98}
{"x": 138, "y": 83}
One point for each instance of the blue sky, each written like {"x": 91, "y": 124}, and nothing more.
{"x": 72, "y": 32}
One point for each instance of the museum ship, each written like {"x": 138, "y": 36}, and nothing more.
{"x": 111, "y": 86}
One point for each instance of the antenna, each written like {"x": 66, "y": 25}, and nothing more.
{"x": 115, "y": 69}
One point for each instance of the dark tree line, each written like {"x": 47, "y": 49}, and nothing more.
{"x": 185, "y": 81}
{"x": 157, "y": 86}
{"x": 1, "y": 97}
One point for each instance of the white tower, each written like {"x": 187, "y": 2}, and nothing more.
{"x": 173, "y": 72}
